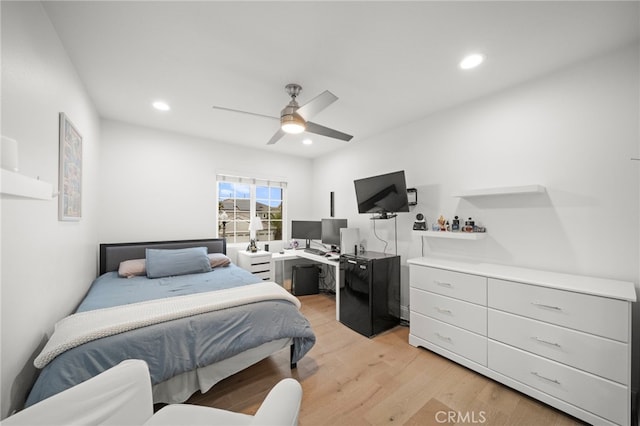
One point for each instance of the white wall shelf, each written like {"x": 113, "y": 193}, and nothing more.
{"x": 23, "y": 186}
{"x": 502, "y": 190}
{"x": 453, "y": 235}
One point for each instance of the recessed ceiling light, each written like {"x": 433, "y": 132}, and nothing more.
{"x": 161, "y": 106}
{"x": 471, "y": 61}
{"x": 307, "y": 141}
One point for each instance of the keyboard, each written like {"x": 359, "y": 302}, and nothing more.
{"x": 317, "y": 252}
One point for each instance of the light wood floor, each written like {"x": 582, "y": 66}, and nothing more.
{"x": 348, "y": 379}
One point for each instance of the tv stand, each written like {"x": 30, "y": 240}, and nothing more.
{"x": 384, "y": 216}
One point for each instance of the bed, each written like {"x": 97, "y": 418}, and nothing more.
{"x": 192, "y": 329}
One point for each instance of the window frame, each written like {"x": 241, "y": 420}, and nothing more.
{"x": 253, "y": 183}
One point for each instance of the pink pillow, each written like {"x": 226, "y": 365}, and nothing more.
{"x": 132, "y": 268}
{"x": 218, "y": 259}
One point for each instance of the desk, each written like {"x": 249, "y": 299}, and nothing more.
{"x": 301, "y": 254}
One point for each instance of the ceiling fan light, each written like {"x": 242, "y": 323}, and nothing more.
{"x": 292, "y": 123}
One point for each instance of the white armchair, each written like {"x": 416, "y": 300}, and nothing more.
{"x": 122, "y": 396}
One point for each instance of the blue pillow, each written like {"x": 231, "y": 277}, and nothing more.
{"x": 165, "y": 263}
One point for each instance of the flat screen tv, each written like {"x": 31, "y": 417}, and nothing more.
{"x": 331, "y": 230}
{"x": 382, "y": 194}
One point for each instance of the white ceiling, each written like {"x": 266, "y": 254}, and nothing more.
{"x": 389, "y": 63}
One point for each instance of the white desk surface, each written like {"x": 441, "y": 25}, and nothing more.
{"x": 294, "y": 254}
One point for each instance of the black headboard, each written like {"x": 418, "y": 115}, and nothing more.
{"x": 112, "y": 254}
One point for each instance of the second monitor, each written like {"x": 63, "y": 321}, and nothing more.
{"x": 331, "y": 231}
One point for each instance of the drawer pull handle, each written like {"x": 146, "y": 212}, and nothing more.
{"x": 443, "y": 284}
{"x": 448, "y": 339}
{"x": 542, "y": 305}
{"x": 545, "y": 378}
{"x": 546, "y": 342}
{"x": 444, "y": 311}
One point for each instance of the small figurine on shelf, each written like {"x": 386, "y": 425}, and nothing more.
{"x": 455, "y": 224}
{"x": 468, "y": 225}
{"x": 442, "y": 222}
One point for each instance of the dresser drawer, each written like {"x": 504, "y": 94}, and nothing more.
{"x": 603, "y": 357}
{"x": 259, "y": 267}
{"x": 452, "y": 311}
{"x": 262, "y": 258}
{"x": 266, "y": 276}
{"x": 471, "y": 288}
{"x": 592, "y": 314}
{"x": 454, "y": 339}
{"x": 597, "y": 395}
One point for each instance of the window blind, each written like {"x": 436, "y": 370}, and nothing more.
{"x": 250, "y": 180}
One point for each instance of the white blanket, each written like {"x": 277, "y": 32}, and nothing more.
{"x": 84, "y": 327}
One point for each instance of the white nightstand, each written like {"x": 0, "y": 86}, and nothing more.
{"x": 258, "y": 263}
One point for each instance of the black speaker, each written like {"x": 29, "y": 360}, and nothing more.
{"x": 304, "y": 280}
{"x": 331, "y": 208}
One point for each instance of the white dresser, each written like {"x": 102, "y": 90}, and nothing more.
{"x": 560, "y": 338}
{"x": 258, "y": 263}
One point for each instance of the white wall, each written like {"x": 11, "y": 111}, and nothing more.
{"x": 573, "y": 132}
{"x": 47, "y": 265}
{"x": 159, "y": 185}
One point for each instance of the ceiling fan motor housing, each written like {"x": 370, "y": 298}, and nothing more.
{"x": 290, "y": 120}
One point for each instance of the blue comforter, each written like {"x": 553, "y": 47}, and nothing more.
{"x": 177, "y": 346}
{"x": 110, "y": 290}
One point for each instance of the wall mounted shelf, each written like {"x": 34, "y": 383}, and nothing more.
{"x": 23, "y": 186}
{"x": 453, "y": 235}
{"x": 502, "y": 190}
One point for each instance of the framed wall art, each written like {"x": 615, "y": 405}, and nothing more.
{"x": 70, "y": 177}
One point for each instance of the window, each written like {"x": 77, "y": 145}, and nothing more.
{"x": 241, "y": 198}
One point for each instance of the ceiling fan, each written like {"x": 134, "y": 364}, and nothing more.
{"x": 295, "y": 119}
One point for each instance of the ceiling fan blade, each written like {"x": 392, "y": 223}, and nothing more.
{"x": 276, "y": 137}
{"x": 317, "y": 104}
{"x": 245, "y": 112}
{"x": 325, "y": 131}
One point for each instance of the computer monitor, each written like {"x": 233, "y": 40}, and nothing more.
{"x": 306, "y": 230}
{"x": 331, "y": 230}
